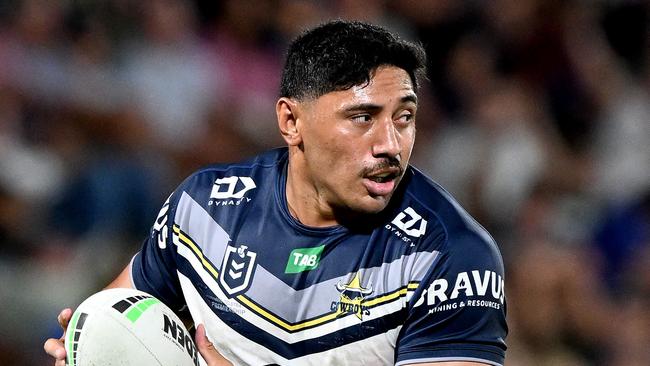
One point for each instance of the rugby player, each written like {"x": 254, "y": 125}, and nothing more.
{"x": 332, "y": 250}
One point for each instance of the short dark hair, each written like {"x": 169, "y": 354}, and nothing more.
{"x": 341, "y": 54}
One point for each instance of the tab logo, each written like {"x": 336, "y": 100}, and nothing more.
{"x": 410, "y": 222}
{"x": 303, "y": 259}
{"x": 224, "y": 188}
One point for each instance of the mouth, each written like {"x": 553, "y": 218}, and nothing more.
{"x": 382, "y": 182}
{"x": 384, "y": 176}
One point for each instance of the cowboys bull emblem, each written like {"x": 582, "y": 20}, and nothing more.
{"x": 237, "y": 270}
{"x": 352, "y": 296}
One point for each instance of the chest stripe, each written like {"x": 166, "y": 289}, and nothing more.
{"x": 181, "y": 238}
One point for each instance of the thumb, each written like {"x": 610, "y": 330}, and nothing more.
{"x": 210, "y": 354}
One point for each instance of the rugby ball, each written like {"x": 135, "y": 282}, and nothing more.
{"x": 127, "y": 327}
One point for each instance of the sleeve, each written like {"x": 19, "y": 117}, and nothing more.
{"x": 153, "y": 268}
{"x": 461, "y": 313}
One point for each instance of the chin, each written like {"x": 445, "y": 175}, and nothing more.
{"x": 374, "y": 205}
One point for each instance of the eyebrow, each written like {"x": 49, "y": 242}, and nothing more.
{"x": 410, "y": 98}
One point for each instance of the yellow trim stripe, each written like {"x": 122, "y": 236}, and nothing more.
{"x": 388, "y": 297}
{"x": 282, "y": 323}
{"x": 257, "y": 309}
{"x": 325, "y": 318}
{"x": 199, "y": 254}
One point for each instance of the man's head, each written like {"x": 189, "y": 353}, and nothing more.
{"x": 347, "y": 112}
{"x": 338, "y": 55}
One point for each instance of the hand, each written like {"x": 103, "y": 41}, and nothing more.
{"x": 55, "y": 347}
{"x": 207, "y": 350}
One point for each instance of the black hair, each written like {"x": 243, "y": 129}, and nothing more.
{"x": 341, "y": 54}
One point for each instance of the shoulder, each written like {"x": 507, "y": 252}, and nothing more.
{"x": 225, "y": 180}
{"x": 458, "y": 310}
{"x": 461, "y": 233}
{"x": 234, "y": 184}
{"x": 258, "y": 164}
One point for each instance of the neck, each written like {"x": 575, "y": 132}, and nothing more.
{"x": 304, "y": 200}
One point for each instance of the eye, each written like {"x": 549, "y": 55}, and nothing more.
{"x": 405, "y": 117}
{"x": 361, "y": 118}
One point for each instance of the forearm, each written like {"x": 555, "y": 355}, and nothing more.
{"x": 123, "y": 280}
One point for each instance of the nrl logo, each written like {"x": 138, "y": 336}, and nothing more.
{"x": 237, "y": 270}
{"x": 352, "y": 296}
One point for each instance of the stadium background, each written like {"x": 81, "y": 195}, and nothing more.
{"x": 536, "y": 116}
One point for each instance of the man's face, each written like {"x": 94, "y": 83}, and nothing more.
{"x": 357, "y": 142}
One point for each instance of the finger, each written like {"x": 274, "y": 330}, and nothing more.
{"x": 64, "y": 317}
{"x": 210, "y": 354}
{"x": 55, "y": 348}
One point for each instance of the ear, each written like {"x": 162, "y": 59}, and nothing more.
{"x": 288, "y": 112}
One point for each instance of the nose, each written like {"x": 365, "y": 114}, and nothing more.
{"x": 386, "y": 140}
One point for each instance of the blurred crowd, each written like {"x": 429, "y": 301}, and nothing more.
{"x": 536, "y": 116}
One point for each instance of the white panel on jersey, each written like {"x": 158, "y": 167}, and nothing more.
{"x": 200, "y": 226}
{"x": 212, "y": 241}
{"x": 377, "y": 350}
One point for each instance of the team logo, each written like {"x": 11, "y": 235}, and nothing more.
{"x": 237, "y": 270}
{"x": 352, "y": 296}
{"x": 410, "y": 222}
{"x": 231, "y": 189}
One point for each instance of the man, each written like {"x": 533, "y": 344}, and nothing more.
{"x": 333, "y": 250}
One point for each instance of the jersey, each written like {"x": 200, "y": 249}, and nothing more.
{"x": 419, "y": 282}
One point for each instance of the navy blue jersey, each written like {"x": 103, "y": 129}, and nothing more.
{"x": 419, "y": 282}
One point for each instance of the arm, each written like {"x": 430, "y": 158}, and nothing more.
{"x": 123, "y": 280}
{"x": 457, "y": 317}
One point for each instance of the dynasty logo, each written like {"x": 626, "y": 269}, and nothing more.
{"x": 231, "y": 191}
{"x": 408, "y": 225}
{"x": 352, "y": 296}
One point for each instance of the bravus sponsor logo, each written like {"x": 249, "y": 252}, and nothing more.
{"x": 472, "y": 288}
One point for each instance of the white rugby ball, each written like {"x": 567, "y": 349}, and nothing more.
{"x": 127, "y": 327}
